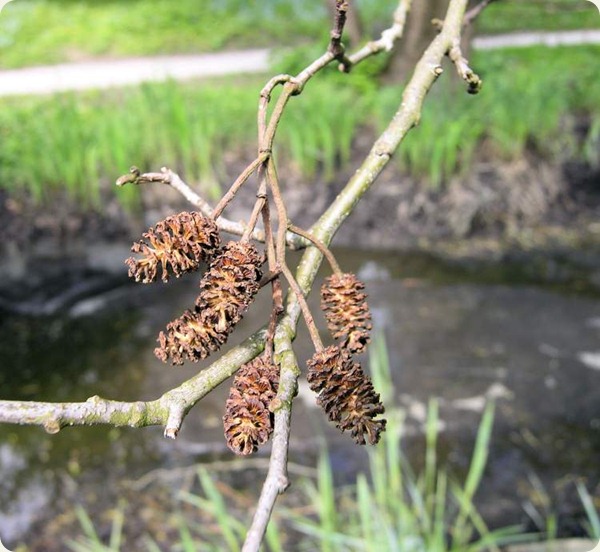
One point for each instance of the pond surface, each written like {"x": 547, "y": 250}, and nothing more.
{"x": 464, "y": 334}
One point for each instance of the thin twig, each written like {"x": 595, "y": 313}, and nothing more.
{"x": 475, "y": 11}
{"x": 335, "y": 44}
{"x": 320, "y": 245}
{"x": 472, "y": 79}
{"x": 263, "y": 103}
{"x": 385, "y": 43}
{"x": 308, "y": 317}
{"x": 266, "y": 143}
{"x": 282, "y": 218}
{"x": 277, "y": 291}
{"x": 261, "y": 199}
{"x": 239, "y": 182}
{"x": 174, "y": 180}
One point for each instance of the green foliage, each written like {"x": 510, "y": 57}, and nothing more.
{"x": 509, "y": 16}
{"x": 91, "y": 139}
{"x": 81, "y": 143}
{"x": 50, "y": 31}
{"x": 593, "y": 514}
{"x": 528, "y": 98}
{"x": 90, "y": 541}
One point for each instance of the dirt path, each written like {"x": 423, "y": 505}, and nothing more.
{"x": 123, "y": 72}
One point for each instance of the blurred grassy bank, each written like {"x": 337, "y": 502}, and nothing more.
{"x": 34, "y": 32}
{"x": 539, "y": 99}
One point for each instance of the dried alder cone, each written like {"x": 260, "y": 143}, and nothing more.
{"x": 346, "y": 394}
{"x": 248, "y": 422}
{"x": 177, "y": 244}
{"x": 227, "y": 289}
{"x": 346, "y": 311}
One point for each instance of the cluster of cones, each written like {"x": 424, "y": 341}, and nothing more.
{"x": 180, "y": 244}
{"x": 343, "y": 390}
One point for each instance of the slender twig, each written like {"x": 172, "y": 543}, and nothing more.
{"x": 475, "y": 11}
{"x": 276, "y": 311}
{"x": 266, "y": 143}
{"x": 335, "y": 44}
{"x": 235, "y": 228}
{"x": 308, "y": 317}
{"x": 261, "y": 200}
{"x": 265, "y": 98}
{"x": 386, "y": 42}
{"x": 282, "y": 218}
{"x": 320, "y": 245}
{"x": 239, "y": 182}
{"x": 472, "y": 79}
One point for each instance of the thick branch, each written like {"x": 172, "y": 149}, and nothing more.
{"x": 169, "y": 410}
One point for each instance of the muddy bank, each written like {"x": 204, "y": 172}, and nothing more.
{"x": 498, "y": 209}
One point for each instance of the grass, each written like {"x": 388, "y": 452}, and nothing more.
{"x": 530, "y": 101}
{"x": 515, "y": 15}
{"x": 81, "y": 142}
{"x": 49, "y": 31}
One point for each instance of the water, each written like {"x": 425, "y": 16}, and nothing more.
{"x": 523, "y": 334}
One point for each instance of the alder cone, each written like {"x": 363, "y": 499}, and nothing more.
{"x": 346, "y": 394}
{"x": 346, "y": 311}
{"x": 227, "y": 289}
{"x": 177, "y": 244}
{"x": 230, "y": 284}
{"x": 248, "y": 422}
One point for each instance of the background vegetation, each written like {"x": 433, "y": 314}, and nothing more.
{"x": 95, "y": 136}
{"x": 50, "y": 31}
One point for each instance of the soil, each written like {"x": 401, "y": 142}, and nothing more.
{"x": 530, "y": 204}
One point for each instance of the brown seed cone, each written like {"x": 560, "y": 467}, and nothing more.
{"x": 248, "y": 422}
{"x": 346, "y": 394}
{"x": 177, "y": 244}
{"x": 227, "y": 289}
{"x": 230, "y": 284}
{"x": 192, "y": 336}
{"x": 346, "y": 311}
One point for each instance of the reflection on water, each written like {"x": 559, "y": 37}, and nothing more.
{"x": 463, "y": 334}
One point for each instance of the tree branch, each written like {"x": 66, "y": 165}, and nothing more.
{"x": 168, "y": 177}
{"x": 472, "y": 79}
{"x": 169, "y": 410}
{"x": 172, "y": 407}
{"x": 385, "y": 43}
{"x": 407, "y": 116}
{"x": 475, "y": 11}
